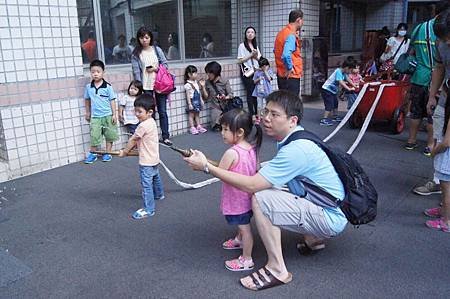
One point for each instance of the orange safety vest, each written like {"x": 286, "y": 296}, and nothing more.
{"x": 297, "y": 61}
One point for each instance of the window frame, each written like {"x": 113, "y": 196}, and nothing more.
{"x": 181, "y": 36}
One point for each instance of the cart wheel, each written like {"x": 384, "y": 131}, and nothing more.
{"x": 398, "y": 121}
{"x": 354, "y": 122}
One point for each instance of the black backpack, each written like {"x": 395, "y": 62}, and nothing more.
{"x": 360, "y": 202}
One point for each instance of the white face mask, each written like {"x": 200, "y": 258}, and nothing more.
{"x": 402, "y": 32}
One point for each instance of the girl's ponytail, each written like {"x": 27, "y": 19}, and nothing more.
{"x": 258, "y": 137}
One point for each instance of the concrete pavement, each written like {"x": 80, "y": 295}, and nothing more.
{"x": 67, "y": 232}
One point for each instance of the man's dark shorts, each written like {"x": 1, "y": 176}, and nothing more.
{"x": 291, "y": 84}
{"x": 418, "y": 95}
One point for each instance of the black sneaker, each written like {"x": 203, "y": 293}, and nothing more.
{"x": 217, "y": 128}
{"x": 166, "y": 142}
{"x": 427, "y": 151}
{"x": 410, "y": 146}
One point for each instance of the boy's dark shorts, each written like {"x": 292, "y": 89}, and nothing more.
{"x": 330, "y": 100}
{"x": 239, "y": 219}
{"x": 418, "y": 95}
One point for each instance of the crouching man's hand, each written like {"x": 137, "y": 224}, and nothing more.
{"x": 197, "y": 161}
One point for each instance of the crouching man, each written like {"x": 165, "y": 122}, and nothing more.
{"x": 275, "y": 209}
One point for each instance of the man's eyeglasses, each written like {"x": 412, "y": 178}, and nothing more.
{"x": 272, "y": 114}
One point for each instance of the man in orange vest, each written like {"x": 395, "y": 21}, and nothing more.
{"x": 287, "y": 54}
{"x": 90, "y": 47}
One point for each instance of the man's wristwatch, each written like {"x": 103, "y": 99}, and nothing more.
{"x": 205, "y": 168}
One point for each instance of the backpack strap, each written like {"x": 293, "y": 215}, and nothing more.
{"x": 399, "y": 47}
{"x": 303, "y": 134}
{"x": 160, "y": 55}
{"x": 192, "y": 85}
{"x": 414, "y": 36}
{"x": 430, "y": 49}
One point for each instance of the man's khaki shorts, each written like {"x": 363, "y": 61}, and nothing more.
{"x": 294, "y": 213}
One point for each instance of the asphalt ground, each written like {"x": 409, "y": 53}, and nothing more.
{"x": 67, "y": 232}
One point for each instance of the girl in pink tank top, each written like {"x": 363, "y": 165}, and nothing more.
{"x": 236, "y": 205}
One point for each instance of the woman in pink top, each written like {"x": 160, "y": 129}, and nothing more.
{"x": 236, "y": 205}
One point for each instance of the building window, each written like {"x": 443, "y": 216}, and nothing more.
{"x": 343, "y": 23}
{"x": 87, "y": 30}
{"x": 161, "y": 17}
{"x": 207, "y": 28}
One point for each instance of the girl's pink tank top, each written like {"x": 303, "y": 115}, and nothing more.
{"x": 235, "y": 201}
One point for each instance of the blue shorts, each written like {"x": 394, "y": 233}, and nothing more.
{"x": 330, "y": 100}
{"x": 239, "y": 219}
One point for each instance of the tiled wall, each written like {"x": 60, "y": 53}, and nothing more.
{"x": 250, "y": 17}
{"x": 42, "y": 134}
{"x": 275, "y": 16}
{"x": 3, "y": 152}
{"x": 39, "y": 39}
{"x": 384, "y": 14}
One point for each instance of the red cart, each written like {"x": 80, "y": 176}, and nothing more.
{"x": 390, "y": 108}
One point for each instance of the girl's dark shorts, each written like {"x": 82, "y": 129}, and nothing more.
{"x": 239, "y": 219}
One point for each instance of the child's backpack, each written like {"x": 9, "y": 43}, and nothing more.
{"x": 165, "y": 81}
{"x": 360, "y": 202}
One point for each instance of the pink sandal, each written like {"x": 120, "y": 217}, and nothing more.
{"x": 438, "y": 224}
{"x": 232, "y": 244}
{"x": 433, "y": 212}
{"x": 239, "y": 264}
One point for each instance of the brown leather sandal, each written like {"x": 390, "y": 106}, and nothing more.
{"x": 264, "y": 283}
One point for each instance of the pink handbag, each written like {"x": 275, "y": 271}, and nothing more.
{"x": 165, "y": 81}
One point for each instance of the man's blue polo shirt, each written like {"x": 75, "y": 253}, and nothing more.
{"x": 100, "y": 98}
{"x": 305, "y": 158}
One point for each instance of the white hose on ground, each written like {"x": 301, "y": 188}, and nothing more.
{"x": 187, "y": 185}
{"x": 349, "y": 113}
{"x": 368, "y": 117}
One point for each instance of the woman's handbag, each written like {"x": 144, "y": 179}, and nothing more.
{"x": 234, "y": 103}
{"x": 246, "y": 71}
{"x": 388, "y": 64}
{"x": 227, "y": 105}
{"x": 406, "y": 64}
{"x": 165, "y": 81}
